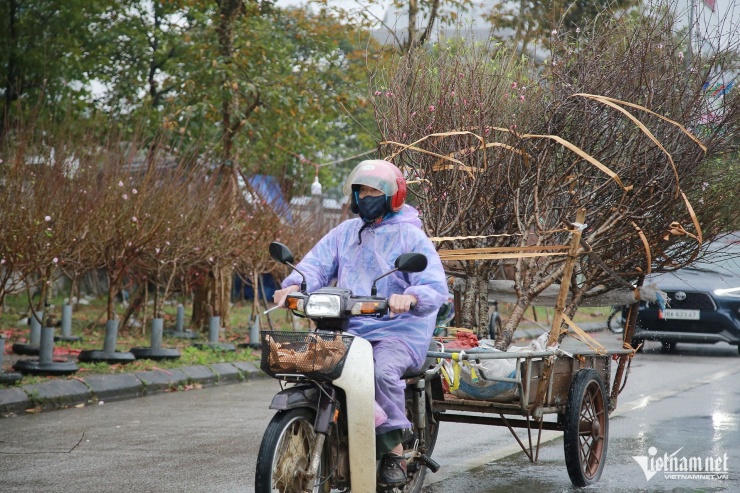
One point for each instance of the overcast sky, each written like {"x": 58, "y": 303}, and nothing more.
{"x": 378, "y": 8}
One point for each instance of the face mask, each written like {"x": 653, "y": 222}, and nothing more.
{"x": 371, "y": 208}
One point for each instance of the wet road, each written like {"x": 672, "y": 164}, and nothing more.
{"x": 206, "y": 440}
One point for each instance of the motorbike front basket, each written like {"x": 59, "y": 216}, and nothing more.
{"x": 319, "y": 355}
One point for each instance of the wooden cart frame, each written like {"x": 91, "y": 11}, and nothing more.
{"x": 572, "y": 386}
{"x": 575, "y": 392}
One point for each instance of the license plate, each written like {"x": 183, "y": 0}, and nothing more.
{"x": 677, "y": 314}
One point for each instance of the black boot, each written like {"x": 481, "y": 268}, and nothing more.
{"x": 392, "y": 470}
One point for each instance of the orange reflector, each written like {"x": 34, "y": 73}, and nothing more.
{"x": 368, "y": 307}
{"x": 292, "y": 303}
{"x": 336, "y": 415}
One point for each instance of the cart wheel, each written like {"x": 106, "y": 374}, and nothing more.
{"x": 586, "y": 428}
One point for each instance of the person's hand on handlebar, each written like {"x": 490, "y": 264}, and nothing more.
{"x": 401, "y": 303}
{"x": 281, "y": 294}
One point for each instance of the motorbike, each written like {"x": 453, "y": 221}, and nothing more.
{"x": 322, "y": 437}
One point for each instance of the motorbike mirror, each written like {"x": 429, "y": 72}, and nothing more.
{"x": 411, "y": 262}
{"x": 281, "y": 253}
{"x": 407, "y": 262}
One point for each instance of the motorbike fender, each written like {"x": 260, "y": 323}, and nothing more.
{"x": 358, "y": 382}
{"x": 294, "y": 397}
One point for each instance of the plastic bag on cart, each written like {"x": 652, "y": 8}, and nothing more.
{"x": 535, "y": 345}
{"x": 474, "y": 379}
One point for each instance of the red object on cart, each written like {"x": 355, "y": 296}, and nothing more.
{"x": 463, "y": 340}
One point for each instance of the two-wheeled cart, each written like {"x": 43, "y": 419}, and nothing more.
{"x": 570, "y": 386}
{"x": 574, "y": 385}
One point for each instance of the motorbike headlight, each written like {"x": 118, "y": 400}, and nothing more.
{"x": 323, "y": 305}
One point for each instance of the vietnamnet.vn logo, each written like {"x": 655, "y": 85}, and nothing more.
{"x": 674, "y": 466}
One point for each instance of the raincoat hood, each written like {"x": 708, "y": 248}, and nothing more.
{"x": 407, "y": 214}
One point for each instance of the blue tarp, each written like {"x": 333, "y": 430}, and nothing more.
{"x": 243, "y": 289}
{"x": 268, "y": 189}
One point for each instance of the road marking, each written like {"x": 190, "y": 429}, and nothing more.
{"x": 450, "y": 471}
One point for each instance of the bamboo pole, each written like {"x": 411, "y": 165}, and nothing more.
{"x": 628, "y": 333}
{"x": 557, "y": 320}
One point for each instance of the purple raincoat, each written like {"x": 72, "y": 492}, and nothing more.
{"x": 340, "y": 255}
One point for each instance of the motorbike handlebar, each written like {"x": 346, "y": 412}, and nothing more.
{"x": 351, "y": 306}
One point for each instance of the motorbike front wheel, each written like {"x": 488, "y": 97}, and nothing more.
{"x": 285, "y": 453}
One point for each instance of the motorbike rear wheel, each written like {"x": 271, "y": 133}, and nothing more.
{"x": 285, "y": 452}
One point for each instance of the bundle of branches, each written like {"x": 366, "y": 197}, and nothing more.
{"x": 503, "y": 152}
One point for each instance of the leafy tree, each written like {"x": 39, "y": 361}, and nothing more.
{"x": 239, "y": 84}
{"x": 422, "y": 18}
{"x": 294, "y": 81}
{"x": 43, "y": 62}
{"x": 532, "y": 21}
{"x": 140, "y": 49}
{"x": 261, "y": 81}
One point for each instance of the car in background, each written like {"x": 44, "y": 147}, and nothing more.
{"x": 703, "y": 301}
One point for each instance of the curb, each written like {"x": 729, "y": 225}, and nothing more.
{"x": 95, "y": 389}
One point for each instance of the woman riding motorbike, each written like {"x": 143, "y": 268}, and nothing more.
{"x": 355, "y": 253}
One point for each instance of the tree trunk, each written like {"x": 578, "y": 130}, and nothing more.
{"x": 212, "y": 297}
{"x": 520, "y": 308}
{"x": 229, "y": 12}
{"x": 202, "y": 294}
{"x": 12, "y": 78}
{"x": 469, "y": 312}
{"x": 222, "y": 301}
{"x": 412, "y": 29}
{"x": 255, "y": 298}
{"x": 482, "y": 305}
{"x": 136, "y": 298}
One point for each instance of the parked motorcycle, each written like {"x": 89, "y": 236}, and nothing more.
{"x": 322, "y": 438}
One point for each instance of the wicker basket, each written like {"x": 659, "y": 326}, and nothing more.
{"x": 313, "y": 354}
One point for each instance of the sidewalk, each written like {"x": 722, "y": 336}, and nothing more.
{"x": 96, "y": 389}
{"x": 64, "y": 392}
